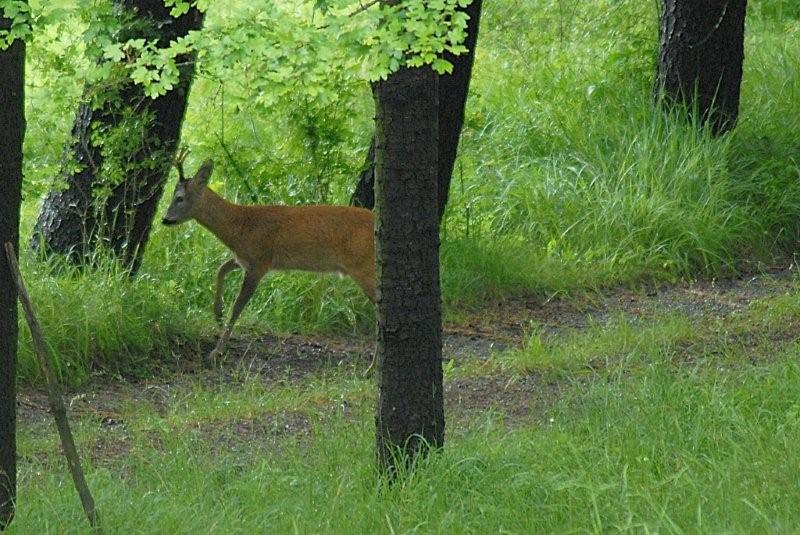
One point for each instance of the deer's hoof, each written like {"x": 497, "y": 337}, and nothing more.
{"x": 214, "y": 359}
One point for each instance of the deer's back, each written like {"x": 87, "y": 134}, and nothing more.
{"x": 311, "y": 238}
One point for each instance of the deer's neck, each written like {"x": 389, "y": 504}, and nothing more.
{"x": 222, "y": 218}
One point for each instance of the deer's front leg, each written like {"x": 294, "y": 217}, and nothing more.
{"x": 223, "y": 270}
{"x": 249, "y": 285}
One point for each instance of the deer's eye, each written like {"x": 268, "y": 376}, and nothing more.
{"x": 179, "y": 199}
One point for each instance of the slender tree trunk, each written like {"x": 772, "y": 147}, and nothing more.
{"x": 410, "y": 411}
{"x": 453, "y": 90}
{"x": 701, "y": 56}
{"x": 364, "y": 194}
{"x": 12, "y": 126}
{"x": 74, "y": 220}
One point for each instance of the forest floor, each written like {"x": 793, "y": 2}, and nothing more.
{"x": 470, "y": 344}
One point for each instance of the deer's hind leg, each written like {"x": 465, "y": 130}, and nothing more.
{"x": 249, "y": 285}
{"x": 366, "y": 280}
{"x": 223, "y": 270}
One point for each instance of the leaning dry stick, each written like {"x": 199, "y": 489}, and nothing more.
{"x": 56, "y": 403}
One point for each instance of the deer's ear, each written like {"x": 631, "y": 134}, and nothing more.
{"x": 204, "y": 173}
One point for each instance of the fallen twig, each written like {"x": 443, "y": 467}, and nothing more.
{"x": 54, "y": 396}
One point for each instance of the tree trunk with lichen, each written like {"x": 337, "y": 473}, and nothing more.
{"x": 700, "y": 58}
{"x": 113, "y": 188}
{"x": 410, "y": 414}
{"x": 12, "y": 125}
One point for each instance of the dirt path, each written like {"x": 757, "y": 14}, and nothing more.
{"x": 496, "y": 326}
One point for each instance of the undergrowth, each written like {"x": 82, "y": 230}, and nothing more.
{"x": 570, "y": 179}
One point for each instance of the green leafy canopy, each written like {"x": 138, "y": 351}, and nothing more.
{"x": 274, "y": 47}
{"x": 311, "y": 48}
{"x": 17, "y": 23}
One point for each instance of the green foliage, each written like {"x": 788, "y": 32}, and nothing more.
{"x": 310, "y": 58}
{"x": 17, "y": 16}
{"x": 181, "y": 7}
{"x": 569, "y": 178}
{"x": 416, "y": 33}
{"x": 784, "y": 12}
{"x": 153, "y": 68}
{"x": 288, "y": 47}
{"x": 296, "y": 46}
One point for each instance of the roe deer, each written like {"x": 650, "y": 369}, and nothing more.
{"x": 262, "y": 238}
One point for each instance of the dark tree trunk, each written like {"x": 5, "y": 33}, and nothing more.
{"x": 453, "y": 90}
{"x": 700, "y": 58}
{"x": 364, "y": 194}
{"x": 12, "y": 126}
{"x": 410, "y": 407}
{"x": 74, "y": 220}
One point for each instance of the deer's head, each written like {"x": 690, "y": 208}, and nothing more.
{"x": 188, "y": 193}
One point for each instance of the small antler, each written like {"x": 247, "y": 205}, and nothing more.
{"x": 178, "y": 162}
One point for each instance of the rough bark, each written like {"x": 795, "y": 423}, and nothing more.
{"x": 453, "y": 91}
{"x": 410, "y": 414}
{"x": 74, "y": 220}
{"x": 700, "y": 58}
{"x": 12, "y": 126}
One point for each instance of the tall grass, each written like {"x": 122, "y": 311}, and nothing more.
{"x": 103, "y": 321}
{"x": 573, "y": 157}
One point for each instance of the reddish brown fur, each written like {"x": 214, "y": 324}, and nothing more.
{"x": 309, "y": 238}
{"x": 264, "y": 238}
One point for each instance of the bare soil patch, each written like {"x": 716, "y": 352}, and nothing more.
{"x": 508, "y": 320}
{"x": 267, "y": 432}
{"x": 522, "y": 400}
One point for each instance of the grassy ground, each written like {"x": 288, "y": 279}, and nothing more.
{"x": 655, "y": 418}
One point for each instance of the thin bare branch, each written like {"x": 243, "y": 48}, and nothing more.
{"x": 54, "y": 396}
{"x": 178, "y": 162}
